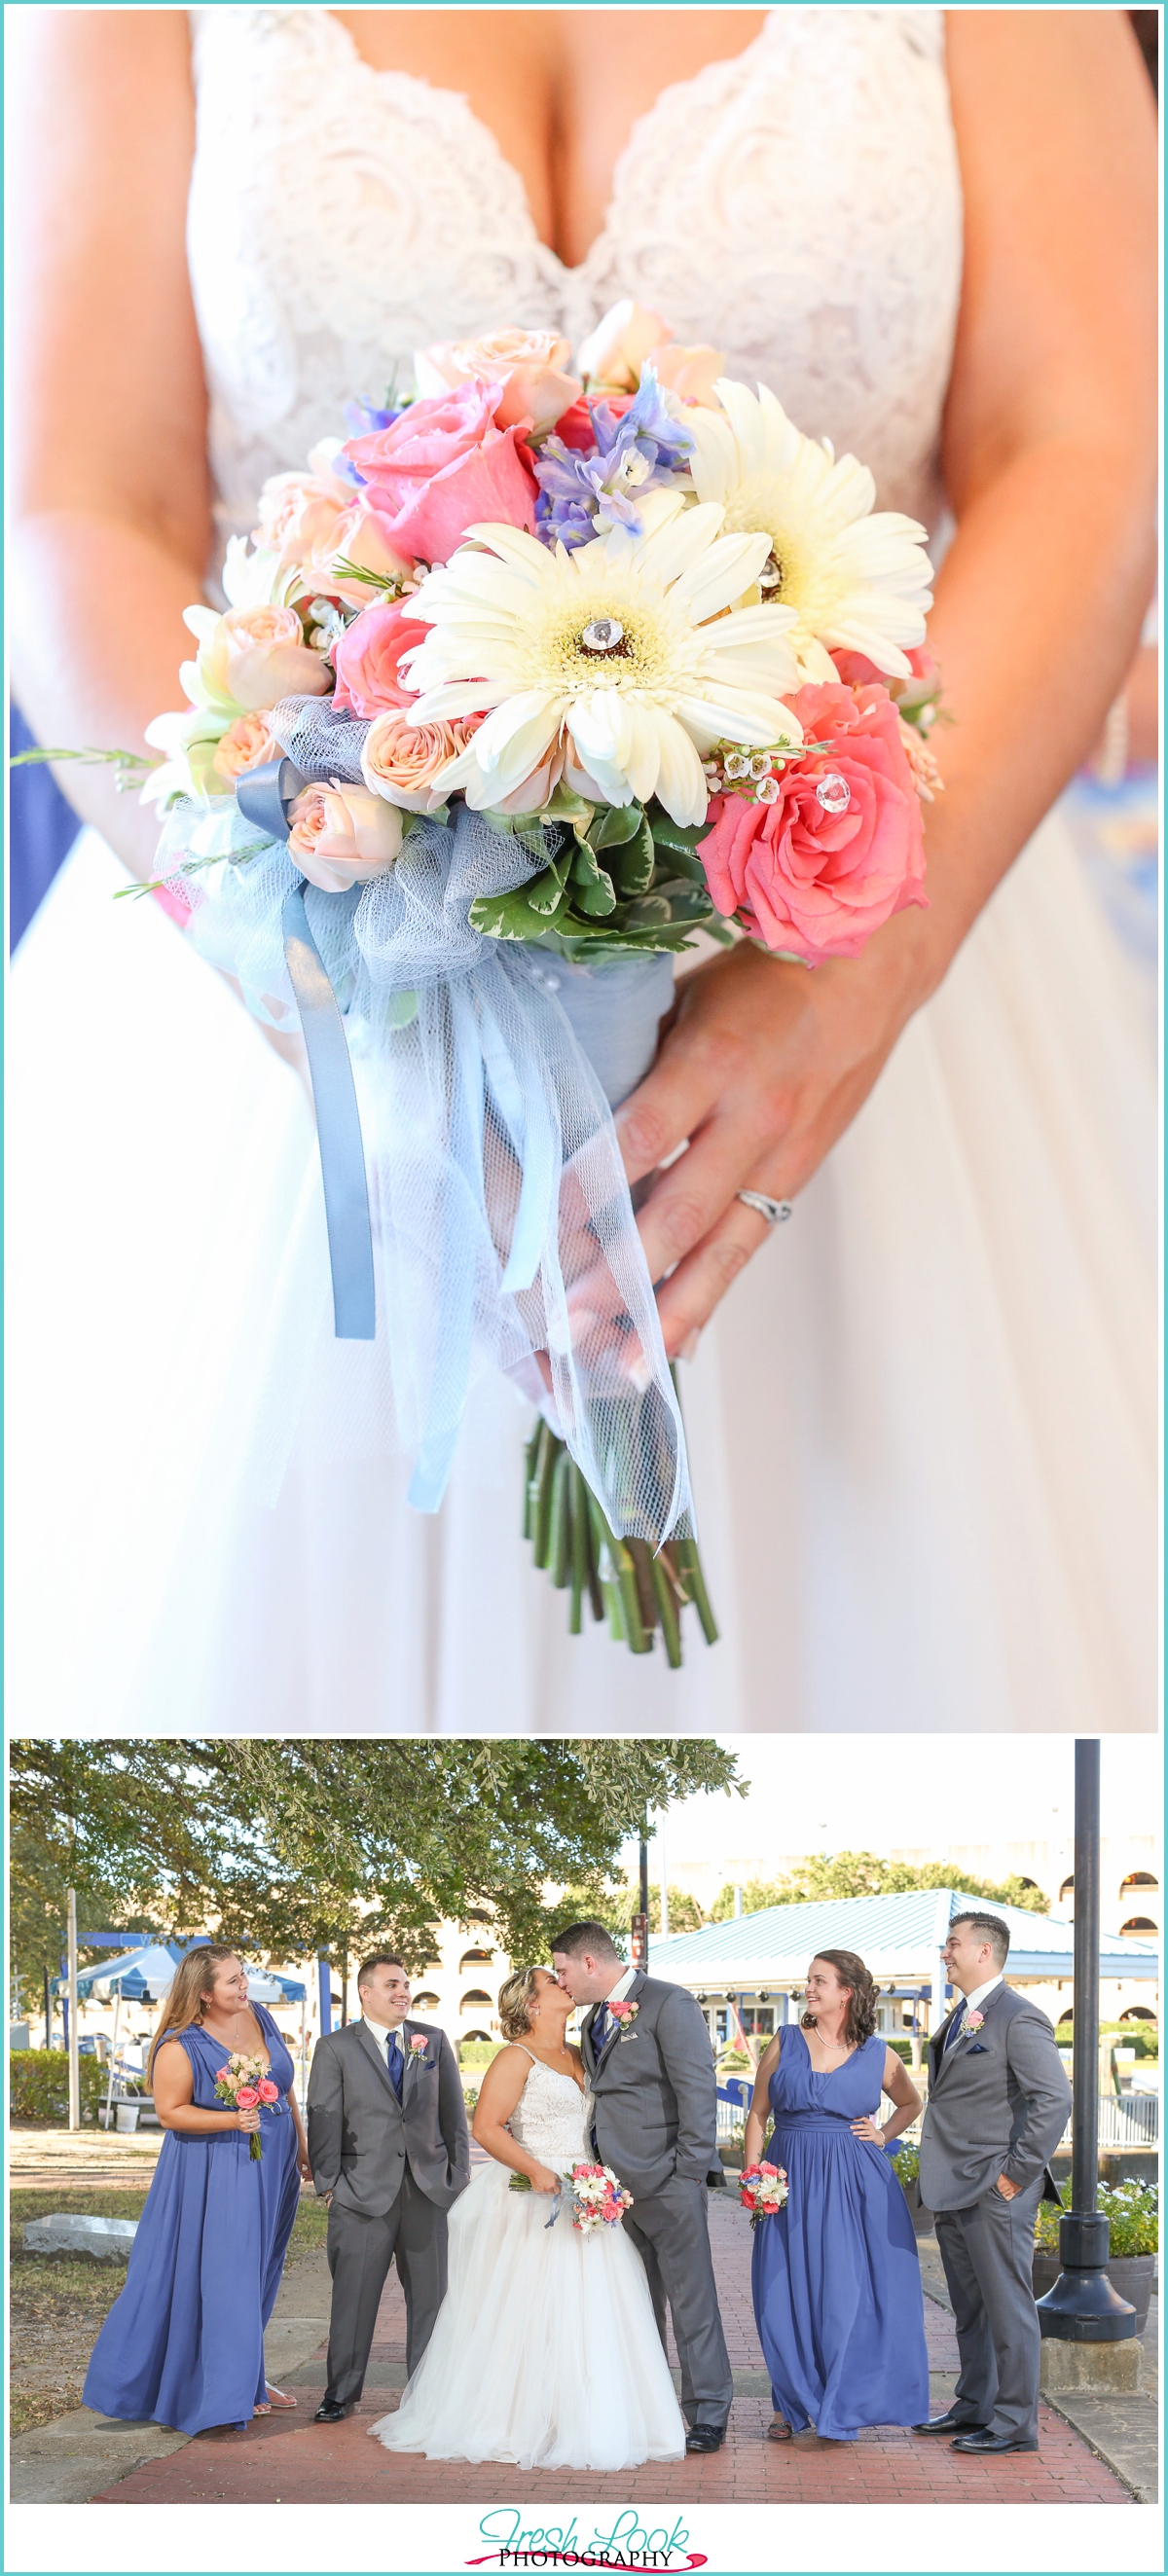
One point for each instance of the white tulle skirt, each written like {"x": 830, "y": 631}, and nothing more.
{"x": 546, "y": 2350}
{"x": 922, "y": 1426}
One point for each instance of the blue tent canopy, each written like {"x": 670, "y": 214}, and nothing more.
{"x": 144, "y": 1974}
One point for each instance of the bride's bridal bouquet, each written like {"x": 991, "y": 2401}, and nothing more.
{"x": 517, "y": 687}
{"x": 593, "y": 2194}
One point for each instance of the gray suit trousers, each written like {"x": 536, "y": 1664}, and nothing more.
{"x": 988, "y": 2254}
{"x": 671, "y": 2231}
{"x": 360, "y": 2251}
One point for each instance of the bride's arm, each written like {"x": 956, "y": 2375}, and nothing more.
{"x": 501, "y": 2087}
{"x": 111, "y": 515}
{"x": 1050, "y": 462}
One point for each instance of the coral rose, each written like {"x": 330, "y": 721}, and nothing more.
{"x": 528, "y": 365}
{"x": 367, "y": 657}
{"x": 247, "y": 2097}
{"x": 811, "y": 882}
{"x": 443, "y": 467}
{"x": 267, "y": 2091}
{"x": 341, "y": 836}
{"x": 401, "y": 760}
{"x": 250, "y": 658}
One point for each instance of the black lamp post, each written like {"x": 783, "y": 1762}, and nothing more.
{"x": 1083, "y": 2306}
{"x": 640, "y": 1942}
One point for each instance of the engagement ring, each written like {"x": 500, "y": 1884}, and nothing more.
{"x": 776, "y": 1211}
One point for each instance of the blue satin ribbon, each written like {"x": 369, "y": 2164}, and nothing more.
{"x": 263, "y": 796}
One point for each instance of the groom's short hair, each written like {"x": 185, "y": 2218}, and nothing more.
{"x": 993, "y": 1930}
{"x": 585, "y": 1940}
{"x": 382, "y": 1960}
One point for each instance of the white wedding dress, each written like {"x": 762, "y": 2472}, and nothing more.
{"x": 546, "y": 2350}
{"x": 922, "y": 1425}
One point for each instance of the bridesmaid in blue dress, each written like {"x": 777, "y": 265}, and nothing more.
{"x": 184, "y": 2344}
{"x": 835, "y": 2274}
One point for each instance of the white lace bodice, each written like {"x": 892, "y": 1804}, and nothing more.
{"x": 798, "y": 206}
{"x": 552, "y": 2118}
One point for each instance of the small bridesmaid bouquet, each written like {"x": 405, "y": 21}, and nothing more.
{"x": 762, "y": 2189}
{"x": 245, "y": 2085}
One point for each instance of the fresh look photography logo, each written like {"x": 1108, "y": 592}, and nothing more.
{"x": 630, "y": 2543}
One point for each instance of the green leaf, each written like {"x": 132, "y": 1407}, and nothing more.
{"x": 593, "y": 891}
{"x": 687, "y": 902}
{"x": 508, "y": 916}
{"x": 612, "y": 825}
{"x": 633, "y": 865}
{"x": 676, "y": 836}
{"x": 544, "y": 892}
{"x": 648, "y": 908}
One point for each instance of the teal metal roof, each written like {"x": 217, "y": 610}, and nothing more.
{"x": 895, "y": 1936}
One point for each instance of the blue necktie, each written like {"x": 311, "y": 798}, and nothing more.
{"x": 957, "y": 2025}
{"x": 396, "y": 2063}
{"x": 600, "y": 2030}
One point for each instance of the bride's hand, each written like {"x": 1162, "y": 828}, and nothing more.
{"x": 762, "y": 1067}
{"x": 544, "y": 2180}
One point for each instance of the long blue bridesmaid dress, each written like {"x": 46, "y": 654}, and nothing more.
{"x": 835, "y": 2274}
{"x": 184, "y": 2344}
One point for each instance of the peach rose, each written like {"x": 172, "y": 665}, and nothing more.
{"x": 805, "y": 878}
{"x": 401, "y": 760}
{"x": 615, "y": 352}
{"x": 443, "y": 466}
{"x": 528, "y": 365}
{"x": 689, "y": 373}
{"x": 252, "y": 657}
{"x": 341, "y": 835}
{"x": 361, "y": 536}
{"x": 298, "y": 514}
{"x": 367, "y": 657}
{"x": 245, "y": 745}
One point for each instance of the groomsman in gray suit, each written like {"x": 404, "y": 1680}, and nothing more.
{"x": 650, "y": 2070}
{"x": 998, "y": 2104}
{"x": 388, "y": 2145}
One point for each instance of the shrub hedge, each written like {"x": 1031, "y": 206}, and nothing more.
{"x": 38, "y": 2084}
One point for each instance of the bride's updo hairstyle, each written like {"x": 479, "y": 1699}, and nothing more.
{"x": 850, "y": 1971}
{"x": 515, "y": 2001}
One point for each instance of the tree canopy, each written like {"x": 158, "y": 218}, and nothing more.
{"x": 290, "y": 1847}
{"x": 865, "y": 1874}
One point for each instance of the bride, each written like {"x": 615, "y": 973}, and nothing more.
{"x": 922, "y": 1422}
{"x": 546, "y": 2349}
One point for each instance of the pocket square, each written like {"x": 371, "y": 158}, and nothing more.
{"x": 977, "y": 2048}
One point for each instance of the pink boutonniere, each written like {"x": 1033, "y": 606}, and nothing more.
{"x": 973, "y": 2021}
{"x": 624, "y": 2015}
{"x": 417, "y": 2045}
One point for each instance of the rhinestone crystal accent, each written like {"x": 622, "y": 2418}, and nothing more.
{"x": 602, "y": 635}
{"x": 771, "y": 574}
{"x": 834, "y": 793}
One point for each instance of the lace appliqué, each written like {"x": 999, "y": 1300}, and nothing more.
{"x": 552, "y": 2118}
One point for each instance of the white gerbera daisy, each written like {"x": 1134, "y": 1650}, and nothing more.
{"x": 857, "y": 579}
{"x": 619, "y": 655}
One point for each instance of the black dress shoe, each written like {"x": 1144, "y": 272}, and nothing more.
{"x": 705, "y": 2437}
{"x": 951, "y": 2423}
{"x": 994, "y": 2442}
{"x": 328, "y": 2412}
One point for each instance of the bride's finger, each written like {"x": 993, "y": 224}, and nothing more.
{"x": 699, "y": 1283}
{"x": 671, "y": 1103}
{"x": 686, "y": 1201}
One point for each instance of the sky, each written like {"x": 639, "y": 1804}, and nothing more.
{"x": 864, "y": 1793}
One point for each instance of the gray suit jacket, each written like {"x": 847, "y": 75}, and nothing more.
{"x": 998, "y": 2104}
{"x": 655, "y": 2090}
{"x": 360, "y": 2137}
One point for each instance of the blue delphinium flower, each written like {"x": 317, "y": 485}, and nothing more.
{"x": 582, "y": 495}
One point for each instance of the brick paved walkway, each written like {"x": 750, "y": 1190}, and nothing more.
{"x": 290, "y": 2460}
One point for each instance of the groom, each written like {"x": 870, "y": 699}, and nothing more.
{"x": 388, "y": 2145}
{"x": 650, "y": 2070}
{"x": 998, "y": 2105}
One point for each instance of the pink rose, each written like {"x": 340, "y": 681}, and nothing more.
{"x": 247, "y": 2097}
{"x": 808, "y": 880}
{"x": 366, "y": 659}
{"x": 267, "y": 2091}
{"x": 528, "y": 366}
{"x": 401, "y": 759}
{"x": 443, "y": 467}
{"x": 246, "y": 743}
{"x": 615, "y": 352}
{"x": 689, "y": 373}
{"x": 341, "y": 836}
{"x": 418, "y": 2044}
{"x": 251, "y": 658}
{"x": 298, "y": 514}
{"x": 222, "y": 2075}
